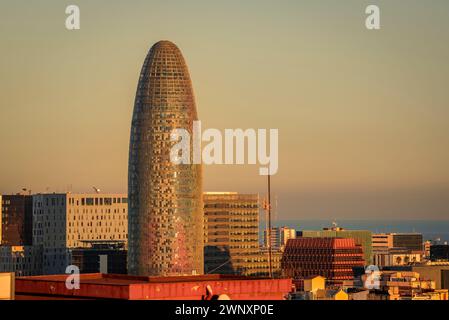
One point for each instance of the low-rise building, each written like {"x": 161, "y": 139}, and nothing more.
{"x": 432, "y": 295}
{"x": 125, "y": 287}
{"x": 314, "y": 283}
{"x": 396, "y": 257}
{"x": 436, "y": 271}
{"x": 314, "y": 288}
{"x": 406, "y": 285}
{"x": 101, "y": 257}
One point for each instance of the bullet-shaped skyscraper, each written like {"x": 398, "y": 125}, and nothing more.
{"x": 165, "y": 222}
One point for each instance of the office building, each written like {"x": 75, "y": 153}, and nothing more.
{"x": 17, "y": 254}
{"x": 16, "y": 220}
{"x": 65, "y": 221}
{"x": 396, "y": 257}
{"x": 397, "y": 249}
{"x": 332, "y": 258}
{"x": 439, "y": 252}
{"x": 21, "y": 260}
{"x": 411, "y": 241}
{"x": 101, "y": 257}
{"x": 279, "y": 237}
{"x": 275, "y": 238}
{"x": 427, "y": 245}
{"x": 165, "y": 198}
{"x": 381, "y": 242}
{"x": 232, "y": 234}
{"x": 361, "y": 237}
{"x": 260, "y": 265}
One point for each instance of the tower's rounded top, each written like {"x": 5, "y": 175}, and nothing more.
{"x": 165, "y": 60}
{"x": 165, "y": 44}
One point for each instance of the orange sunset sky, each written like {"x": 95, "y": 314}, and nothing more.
{"x": 363, "y": 116}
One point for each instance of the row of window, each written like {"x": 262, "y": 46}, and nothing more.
{"x": 97, "y": 201}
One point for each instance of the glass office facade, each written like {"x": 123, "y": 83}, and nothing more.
{"x": 165, "y": 199}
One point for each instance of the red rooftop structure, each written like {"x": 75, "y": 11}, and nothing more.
{"x": 125, "y": 287}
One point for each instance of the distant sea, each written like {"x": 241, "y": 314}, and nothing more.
{"x": 431, "y": 229}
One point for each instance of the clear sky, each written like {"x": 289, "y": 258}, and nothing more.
{"x": 363, "y": 116}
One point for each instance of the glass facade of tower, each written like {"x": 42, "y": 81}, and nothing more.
{"x": 165, "y": 200}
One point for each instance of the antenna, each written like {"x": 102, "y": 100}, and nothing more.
{"x": 276, "y": 212}
{"x": 269, "y": 226}
{"x": 96, "y": 189}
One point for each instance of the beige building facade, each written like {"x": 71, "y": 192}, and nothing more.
{"x": 231, "y": 233}
{"x": 74, "y": 220}
{"x": 65, "y": 221}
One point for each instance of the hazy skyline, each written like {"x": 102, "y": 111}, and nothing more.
{"x": 363, "y": 116}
